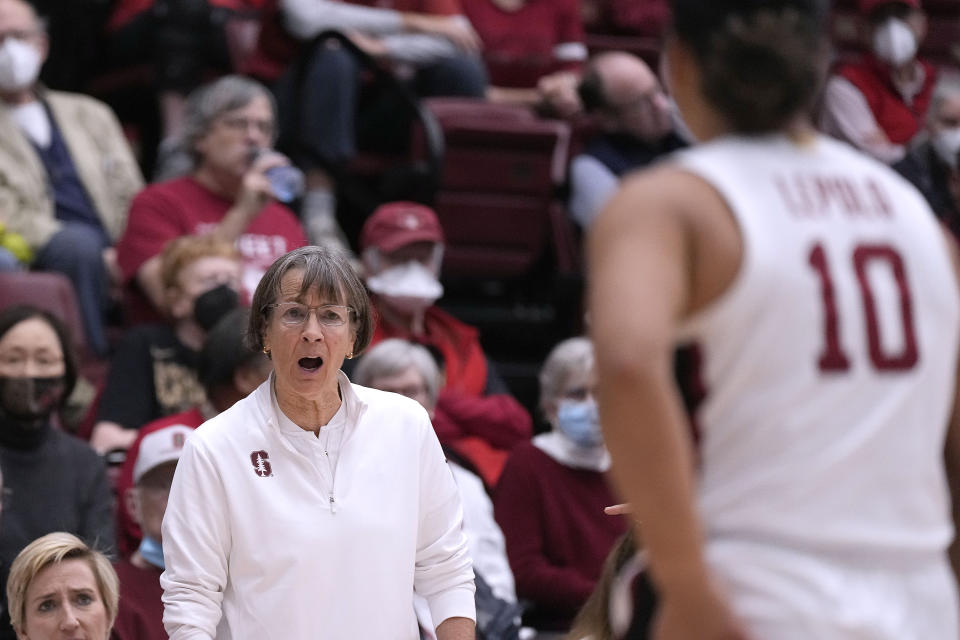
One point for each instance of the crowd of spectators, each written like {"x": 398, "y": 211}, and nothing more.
{"x": 163, "y": 271}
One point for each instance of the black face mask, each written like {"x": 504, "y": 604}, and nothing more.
{"x": 209, "y": 307}
{"x": 30, "y": 399}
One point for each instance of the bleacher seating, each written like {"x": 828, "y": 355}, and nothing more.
{"x": 53, "y": 292}
{"x": 499, "y": 176}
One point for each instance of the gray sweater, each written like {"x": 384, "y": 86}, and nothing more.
{"x": 60, "y": 485}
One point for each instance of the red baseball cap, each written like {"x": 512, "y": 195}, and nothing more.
{"x": 397, "y": 224}
{"x": 867, "y": 6}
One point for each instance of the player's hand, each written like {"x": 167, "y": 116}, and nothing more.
{"x": 622, "y": 509}
{"x": 703, "y": 616}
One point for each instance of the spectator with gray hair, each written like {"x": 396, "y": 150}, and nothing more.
{"x": 314, "y": 503}
{"x": 931, "y": 163}
{"x": 550, "y": 499}
{"x": 229, "y": 131}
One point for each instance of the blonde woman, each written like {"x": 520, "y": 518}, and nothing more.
{"x": 60, "y": 587}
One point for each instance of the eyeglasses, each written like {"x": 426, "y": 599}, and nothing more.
{"x": 239, "y": 123}
{"x": 294, "y": 314}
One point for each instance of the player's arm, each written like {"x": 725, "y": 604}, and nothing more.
{"x": 642, "y": 256}
{"x": 952, "y": 450}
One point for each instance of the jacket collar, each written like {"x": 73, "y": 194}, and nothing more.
{"x": 354, "y": 406}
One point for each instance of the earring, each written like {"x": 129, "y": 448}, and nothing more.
{"x": 350, "y": 356}
{"x": 266, "y": 352}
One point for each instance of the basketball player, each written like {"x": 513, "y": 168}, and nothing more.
{"x": 823, "y": 300}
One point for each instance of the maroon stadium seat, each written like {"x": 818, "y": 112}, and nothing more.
{"x": 53, "y": 292}
{"x": 49, "y": 291}
{"x": 497, "y": 192}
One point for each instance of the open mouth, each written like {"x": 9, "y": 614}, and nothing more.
{"x": 310, "y": 364}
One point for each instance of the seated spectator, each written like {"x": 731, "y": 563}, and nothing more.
{"x": 66, "y": 172}
{"x": 550, "y": 499}
{"x": 932, "y": 164}
{"x": 53, "y": 482}
{"x": 154, "y": 371}
{"x": 879, "y": 103}
{"x": 141, "y": 610}
{"x": 61, "y": 587}
{"x": 408, "y": 369}
{"x": 182, "y": 40}
{"x": 402, "y": 245}
{"x": 525, "y": 41}
{"x": 227, "y": 125}
{"x": 427, "y": 41}
{"x": 634, "y": 116}
{"x": 228, "y": 371}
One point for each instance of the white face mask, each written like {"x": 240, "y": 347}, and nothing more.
{"x": 19, "y": 64}
{"x": 894, "y": 42}
{"x": 410, "y": 286}
{"x": 947, "y": 145}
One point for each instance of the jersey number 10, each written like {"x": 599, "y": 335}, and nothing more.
{"x": 832, "y": 357}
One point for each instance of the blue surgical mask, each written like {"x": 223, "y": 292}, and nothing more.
{"x": 580, "y": 422}
{"x": 152, "y": 552}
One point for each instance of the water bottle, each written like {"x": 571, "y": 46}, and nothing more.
{"x": 286, "y": 181}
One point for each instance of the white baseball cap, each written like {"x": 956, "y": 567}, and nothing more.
{"x": 161, "y": 446}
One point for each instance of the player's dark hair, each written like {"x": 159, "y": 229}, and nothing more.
{"x": 762, "y": 61}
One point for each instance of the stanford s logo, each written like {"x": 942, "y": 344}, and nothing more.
{"x": 261, "y": 463}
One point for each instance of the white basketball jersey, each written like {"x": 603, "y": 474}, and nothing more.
{"x": 829, "y": 363}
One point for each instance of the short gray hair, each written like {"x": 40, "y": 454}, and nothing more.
{"x": 327, "y": 273}
{"x": 570, "y": 356}
{"x": 392, "y": 357}
{"x": 947, "y": 87}
{"x": 209, "y": 102}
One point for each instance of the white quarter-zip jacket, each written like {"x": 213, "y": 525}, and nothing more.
{"x": 258, "y": 543}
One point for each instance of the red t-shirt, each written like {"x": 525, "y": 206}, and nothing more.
{"x": 140, "y": 616}
{"x": 168, "y": 210}
{"x": 128, "y": 531}
{"x": 518, "y": 46}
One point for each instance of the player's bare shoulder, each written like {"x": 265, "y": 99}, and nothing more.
{"x": 670, "y": 206}
{"x": 666, "y": 190}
